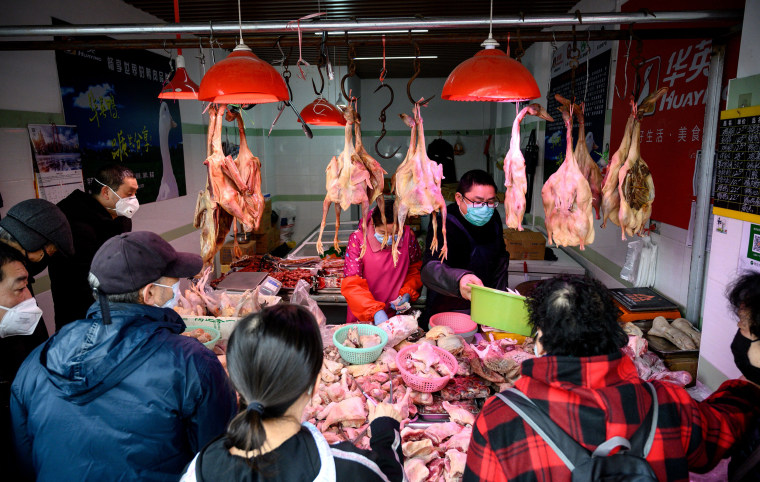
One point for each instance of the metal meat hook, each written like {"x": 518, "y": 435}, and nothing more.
{"x": 422, "y": 101}
{"x": 321, "y": 81}
{"x": 382, "y": 121}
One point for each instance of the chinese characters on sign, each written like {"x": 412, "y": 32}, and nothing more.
{"x": 111, "y": 96}
{"x": 592, "y": 88}
{"x": 737, "y": 167}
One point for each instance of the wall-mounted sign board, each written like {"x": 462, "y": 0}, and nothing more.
{"x": 737, "y": 165}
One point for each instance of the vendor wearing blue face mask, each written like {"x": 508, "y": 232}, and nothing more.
{"x": 374, "y": 288}
{"x": 476, "y": 250}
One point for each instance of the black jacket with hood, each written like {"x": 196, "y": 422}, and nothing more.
{"x": 91, "y": 226}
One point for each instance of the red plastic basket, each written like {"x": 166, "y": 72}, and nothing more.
{"x": 461, "y": 323}
{"x": 422, "y": 384}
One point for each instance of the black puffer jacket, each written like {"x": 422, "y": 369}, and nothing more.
{"x": 478, "y": 250}
{"x": 91, "y": 226}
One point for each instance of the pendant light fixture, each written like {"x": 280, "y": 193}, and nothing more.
{"x": 321, "y": 112}
{"x": 491, "y": 75}
{"x": 181, "y": 85}
{"x": 242, "y": 78}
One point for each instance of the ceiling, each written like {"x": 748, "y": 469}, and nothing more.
{"x": 451, "y": 47}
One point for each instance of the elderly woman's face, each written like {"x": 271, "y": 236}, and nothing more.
{"x": 744, "y": 319}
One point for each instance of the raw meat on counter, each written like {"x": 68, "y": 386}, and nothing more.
{"x": 355, "y": 340}
{"x": 199, "y": 334}
{"x": 681, "y": 339}
{"x": 426, "y": 363}
{"x": 290, "y": 278}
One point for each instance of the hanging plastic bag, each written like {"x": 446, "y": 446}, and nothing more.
{"x": 647, "y": 268}
{"x": 301, "y": 297}
{"x": 632, "y": 258}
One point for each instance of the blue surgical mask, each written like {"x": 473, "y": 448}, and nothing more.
{"x": 379, "y": 238}
{"x": 478, "y": 216}
{"x": 173, "y": 301}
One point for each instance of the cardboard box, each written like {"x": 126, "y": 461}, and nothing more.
{"x": 267, "y": 241}
{"x": 525, "y": 244}
{"x": 266, "y": 218}
{"x": 227, "y": 253}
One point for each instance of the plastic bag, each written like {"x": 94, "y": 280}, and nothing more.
{"x": 647, "y": 269}
{"x": 301, "y": 297}
{"x": 399, "y": 327}
{"x": 632, "y": 258}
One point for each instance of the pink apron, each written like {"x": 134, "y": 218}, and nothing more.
{"x": 384, "y": 279}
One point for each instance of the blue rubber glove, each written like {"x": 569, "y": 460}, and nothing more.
{"x": 380, "y": 317}
{"x": 399, "y": 303}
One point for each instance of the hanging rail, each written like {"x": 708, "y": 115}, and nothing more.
{"x": 258, "y": 42}
{"x": 432, "y": 23}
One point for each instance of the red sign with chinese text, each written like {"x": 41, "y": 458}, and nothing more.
{"x": 672, "y": 134}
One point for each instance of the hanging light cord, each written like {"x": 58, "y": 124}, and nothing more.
{"x": 240, "y": 22}
{"x": 490, "y": 23}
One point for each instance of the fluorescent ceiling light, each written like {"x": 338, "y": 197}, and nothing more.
{"x": 398, "y": 58}
{"x": 373, "y": 32}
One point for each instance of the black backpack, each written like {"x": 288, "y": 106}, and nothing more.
{"x": 628, "y": 464}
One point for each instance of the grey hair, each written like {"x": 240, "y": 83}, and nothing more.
{"x": 5, "y": 235}
{"x": 131, "y": 297}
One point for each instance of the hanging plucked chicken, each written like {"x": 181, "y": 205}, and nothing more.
{"x": 347, "y": 181}
{"x": 515, "y": 179}
{"x": 233, "y": 188}
{"x": 588, "y": 167}
{"x": 417, "y": 186}
{"x": 567, "y": 196}
{"x": 610, "y": 193}
{"x": 635, "y": 183}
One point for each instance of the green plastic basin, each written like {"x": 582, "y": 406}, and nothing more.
{"x": 500, "y": 310}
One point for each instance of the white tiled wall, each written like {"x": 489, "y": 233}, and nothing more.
{"x": 719, "y": 325}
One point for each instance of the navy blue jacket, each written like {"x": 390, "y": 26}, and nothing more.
{"x": 133, "y": 400}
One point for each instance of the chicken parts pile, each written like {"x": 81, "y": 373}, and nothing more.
{"x": 433, "y": 450}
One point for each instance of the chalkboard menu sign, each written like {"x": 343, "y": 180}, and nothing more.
{"x": 737, "y": 165}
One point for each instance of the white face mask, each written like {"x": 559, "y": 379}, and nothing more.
{"x": 125, "y": 206}
{"x": 22, "y": 319}
{"x": 173, "y": 301}
{"x": 535, "y": 350}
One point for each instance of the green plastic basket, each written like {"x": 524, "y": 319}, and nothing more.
{"x": 213, "y": 331}
{"x": 499, "y": 309}
{"x": 359, "y": 356}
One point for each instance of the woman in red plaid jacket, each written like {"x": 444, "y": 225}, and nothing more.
{"x": 592, "y": 391}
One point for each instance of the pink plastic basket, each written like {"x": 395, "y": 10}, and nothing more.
{"x": 422, "y": 384}
{"x": 461, "y": 323}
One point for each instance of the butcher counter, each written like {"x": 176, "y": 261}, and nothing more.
{"x": 334, "y": 305}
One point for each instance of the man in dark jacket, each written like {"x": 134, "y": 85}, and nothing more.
{"x": 95, "y": 217}
{"x": 122, "y": 394}
{"x": 35, "y": 229}
{"x": 476, "y": 250}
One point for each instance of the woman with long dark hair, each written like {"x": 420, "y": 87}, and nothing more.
{"x": 274, "y": 358}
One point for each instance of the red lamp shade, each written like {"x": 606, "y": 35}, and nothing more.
{"x": 322, "y": 113}
{"x": 491, "y": 75}
{"x": 181, "y": 86}
{"x": 242, "y": 78}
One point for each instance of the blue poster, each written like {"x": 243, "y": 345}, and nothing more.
{"x": 112, "y": 98}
